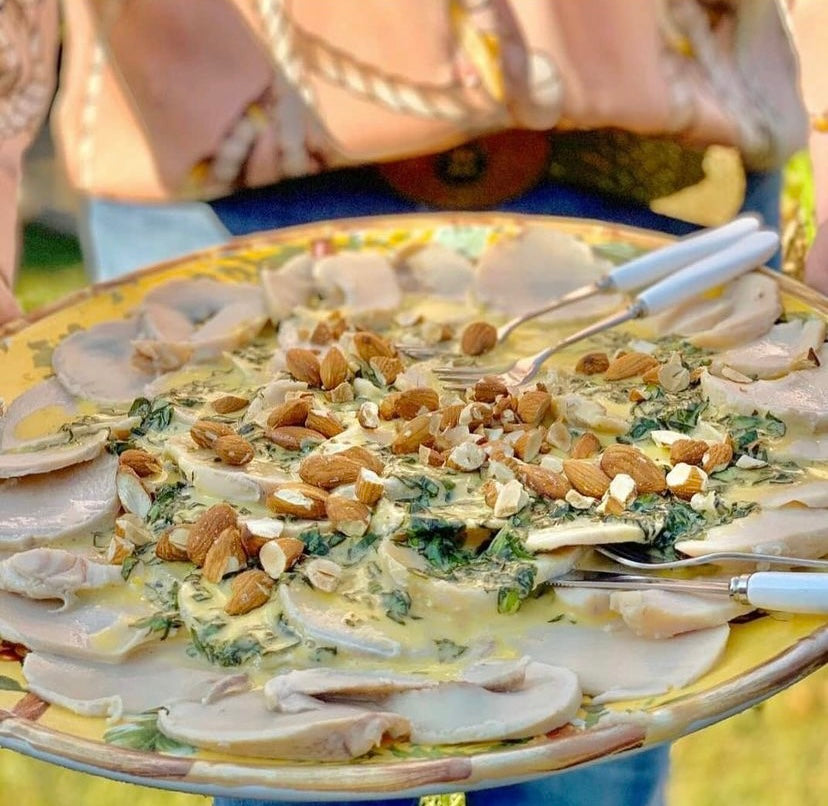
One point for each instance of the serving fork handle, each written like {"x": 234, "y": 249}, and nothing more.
{"x": 786, "y": 591}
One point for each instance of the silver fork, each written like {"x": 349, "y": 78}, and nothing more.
{"x": 745, "y": 254}
{"x": 634, "y": 274}
{"x": 627, "y": 557}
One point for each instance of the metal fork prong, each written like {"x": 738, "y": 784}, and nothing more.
{"x": 474, "y": 374}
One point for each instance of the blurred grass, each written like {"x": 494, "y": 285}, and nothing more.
{"x": 775, "y": 754}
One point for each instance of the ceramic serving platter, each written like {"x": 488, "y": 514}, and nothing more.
{"x": 763, "y": 655}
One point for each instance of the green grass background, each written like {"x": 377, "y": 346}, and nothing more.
{"x": 775, "y": 754}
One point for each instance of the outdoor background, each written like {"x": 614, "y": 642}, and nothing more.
{"x": 775, "y": 754}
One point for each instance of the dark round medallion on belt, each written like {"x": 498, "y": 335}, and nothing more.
{"x": 461, "y": 165}
{"x": 478, "y": 174}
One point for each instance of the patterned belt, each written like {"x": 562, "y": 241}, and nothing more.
{"x": 499, "y": 167}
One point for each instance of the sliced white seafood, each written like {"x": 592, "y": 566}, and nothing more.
{"x": 319, "y": 617}
{"x": 612, "y": 663}
{"x": 519, "y": 274}
{"x": 783, "y": 348}
{"x": 243, "y": 725}
{"x": 323, "y": 683}
{"x": 46, "y": 507}
{"x": 591, "y": 602}
{"x": 812, "y": 494}
{"x": 496, "y": 674}
{"x": 48, "y": 397}
{"x": 813, "y": 449}
{"x": 222, "y": 316}
{"x": 440, "y": 271}
{"x": 791, "y": 531}
{"x": 150, "y": 677}
{"x": 452, "y": 713}
{"x": 359, "y": 282}
{"x": 586, "y": 533}
{"x": 96, "y": 364}
{"x": 15, "y": 464}
{"x": 289, "y": 287}
{"x": 87, "y": 631}
{"x": 250, "y": 482}
{"x": 800, "y": 399}
{"x": 663, "y": 614}
{"x": 746, "y": 310}
{"x": 45, "y": 573}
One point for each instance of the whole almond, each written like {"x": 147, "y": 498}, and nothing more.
{"x": 586, "y": 477}
{"x": 489, "y": 388}
{"x": 280, "y": 555}
{"x": 718, "y": 457}
{"x": 585, "y": 446}
{"x": 368, "y": 345}
{"x": 303, "y": 365}
{"x": 291, "y": 412}
{"x": 412, "y": 401}
{"x": 298, "y": 499}
{"x": 369, "y": 487}
{"x": 293, "y": 437}
{"x": 324, "y": 422}
{"x": 333, "y": 370}
{"x": 206, "y": 529}
{"x": 592, "y": 364}
{"x": 364, "y": 458}
{"x": 141, "y": 462}
{"x": 386, "y": 368}
{"x": 225, "y": 556}
{"x": 322, "y": 334}
{"x": 651, "y": 376}
{"x": 131, "y": 492}
{"x": 233, "y": 450}
{"x": 413, "y": 434}
{"x": 229, "y": 403}
{"x": 347, "y": 516}
{"x": 546, "y": 483}
{"x": 647, "y": 475}
{"x": 478, "y": 338}
{"x": 689, "y": 451}
{"x": 533, "y": 406}
{"x": 249, "y": 590}
{"x": 205, "y": 432}
{"x": 328, "y": 470}
{"x": 629, "y": 365}
{"x": 388, "y": 406}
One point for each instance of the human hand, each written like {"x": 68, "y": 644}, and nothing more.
{"x": 9, "y": 309}
{"x": 816, "y": 261}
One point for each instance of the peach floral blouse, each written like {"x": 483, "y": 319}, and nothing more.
{"x": 187, "y": 99}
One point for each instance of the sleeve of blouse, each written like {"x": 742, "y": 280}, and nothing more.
{"x": 28, "y": 49}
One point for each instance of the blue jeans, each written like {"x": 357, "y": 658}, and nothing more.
{"x": 121, "y": 237}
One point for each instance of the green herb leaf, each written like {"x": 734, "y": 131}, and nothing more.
{"x": 142, "y": 733}
{"x": 397, "y": 604}
{"x": 448, "y": 651}
{"x": 9, "y": 684}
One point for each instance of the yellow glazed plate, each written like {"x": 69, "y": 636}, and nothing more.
{"x": 763, "y": 656}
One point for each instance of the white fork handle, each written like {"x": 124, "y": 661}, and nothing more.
{"x": 747, "y": 253}
{"x": 656, "y": 264}
{"x": 787, "y": 591}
